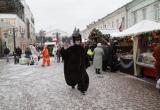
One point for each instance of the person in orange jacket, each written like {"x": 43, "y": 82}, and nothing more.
{"x": 45, "y": 56}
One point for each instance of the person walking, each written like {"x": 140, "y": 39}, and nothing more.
{"x": 156, "y": 55}
{"x": 90, "y": 54}
{"x": 18, "y": 54}
{"x": 105, "y": 57}
{"x": 58, "y": 54}
{"x": 6, "y": 53}
{"x": 97, "y": 60}
{"x": 74, "y": 64}
{"x": 45, "y": 56}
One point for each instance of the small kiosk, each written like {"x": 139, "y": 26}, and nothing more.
{"x": 145, "y": 34}
{"x": 125, "y": 54}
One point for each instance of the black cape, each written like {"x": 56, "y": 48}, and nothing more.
{"x": 75, "y": 67}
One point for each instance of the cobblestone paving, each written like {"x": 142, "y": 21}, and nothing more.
{"x": 25, "y": 87}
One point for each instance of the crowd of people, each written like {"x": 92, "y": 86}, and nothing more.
{"x": 77, "y": 58}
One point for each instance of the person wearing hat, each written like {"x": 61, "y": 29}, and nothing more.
{"x": 75, "y": 64}
{"x": 97, "y": 60}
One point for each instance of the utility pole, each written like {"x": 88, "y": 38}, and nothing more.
{"x": 14, "y": 39}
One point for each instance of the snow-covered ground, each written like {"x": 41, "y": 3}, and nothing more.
{"x": 24, "y": 87}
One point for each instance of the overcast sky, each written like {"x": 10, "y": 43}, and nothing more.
{"x": 66, "y": 14}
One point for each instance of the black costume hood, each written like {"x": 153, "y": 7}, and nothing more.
{"x": 76, "y": 35}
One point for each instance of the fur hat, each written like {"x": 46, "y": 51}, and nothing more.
{"x": 99, "y": 44}
{"x": 76, "y": 35}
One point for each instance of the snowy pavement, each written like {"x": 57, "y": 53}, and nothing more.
{"x": 34, "y": 87}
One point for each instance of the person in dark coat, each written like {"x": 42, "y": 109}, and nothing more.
{"x": 105, "y": 57}
{"x": 6, "y": 53}
{"x": 18, "y": 54}
{"x": 74, "y": 64}
{"x": 156, "y": 55}
{"x": 58, "y": 54}
{"x": 28, "y": 53}
{"x": 62, "y": 51}
{"x": 113, "y": 59}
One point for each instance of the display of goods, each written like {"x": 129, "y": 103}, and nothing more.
{"x": 147, "y": 58}
{"x": 128, "y": 56}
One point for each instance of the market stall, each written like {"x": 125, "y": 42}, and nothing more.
{"x": 125, "y": 54}
{"x": 146, "y": 34}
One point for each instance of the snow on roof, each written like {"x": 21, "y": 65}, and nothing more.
{"x": 140, "y": 27}
{"x": 108, "y": 31}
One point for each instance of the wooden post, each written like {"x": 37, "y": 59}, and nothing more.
{"x": 135, "y": 51}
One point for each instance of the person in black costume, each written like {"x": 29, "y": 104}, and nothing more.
{"x": 75, "y": 64}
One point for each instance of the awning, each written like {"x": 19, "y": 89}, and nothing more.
{"x": 139, "y": 28}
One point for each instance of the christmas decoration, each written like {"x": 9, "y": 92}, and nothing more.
{"x": 98, "y": 37}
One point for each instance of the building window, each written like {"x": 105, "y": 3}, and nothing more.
{"x": 144, "y": 13}
{"x": 117, "y": 22}
{"x": 104, "y": 26}
{"x": 28, "y": 29}
{"x": 156, "y": 7}
{"x": 135, "y": 17}
{"x": 123, "y": 22}
{"x": 112, "y": 24}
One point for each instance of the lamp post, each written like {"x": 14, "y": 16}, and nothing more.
{"x": 14, "y": 39}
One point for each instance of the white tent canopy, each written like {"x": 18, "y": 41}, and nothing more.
{"x": 141, "y": 27}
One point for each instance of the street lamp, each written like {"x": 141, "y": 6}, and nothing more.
{"x": 14, "y": 40}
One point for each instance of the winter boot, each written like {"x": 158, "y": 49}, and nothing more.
{"x": 98, "y": 71}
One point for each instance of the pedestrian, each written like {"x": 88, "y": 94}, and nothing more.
{"x": 62, "y": 51}
{"x": 45, "y": 56}
{"x": 6, "y": 53}
{"x": 18, "y": 54}
{"x": 35, "y": 54}
{"x": 74, "y": 64}
{"x": 28, "y": 55}
{"x": 58, "y": 54}
{"x": 114, "y": 63}
{"x": 97, "y": 60}
{"x": 105, "y": 57}
{"x": 54, "y": 52}
{"x": 90, "y": 54}
{"x": 156, "y": 55}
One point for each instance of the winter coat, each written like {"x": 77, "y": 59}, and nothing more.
{"x": 75, "y": 67}
{"x": 28, "y": 53}
{"x": 45, "y": 53}
{"x": 97, "y": 60}
{"x": 156, "y": 54}
{"x": 18, "y": 51}
{"x": 6, "y": 51}
{"x": 106, "y": 52}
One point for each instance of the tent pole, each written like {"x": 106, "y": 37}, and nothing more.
{"x": 135, "y": 49}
